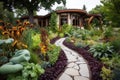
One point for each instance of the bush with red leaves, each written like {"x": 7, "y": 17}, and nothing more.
{"x": 94, "y": 65}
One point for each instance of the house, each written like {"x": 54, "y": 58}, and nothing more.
{"x": 75, "y": 17}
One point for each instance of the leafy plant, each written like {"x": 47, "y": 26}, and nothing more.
{"x": 34, "y": 57}
{"x": 108, "y": 32}
{"x": 101, "y": 50}
{"x": 113, "y": 64}
{"x": 53, "y": 22}
{"x": 116, "y": 44}
{"x": 30, "y": 71}
{"x": 36, "y": 40}
{"x": 53, "y": 53}
{"x": 27, "y": 37}
{"x": 106, "y": 74}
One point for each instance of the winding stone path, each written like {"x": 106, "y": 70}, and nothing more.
{"x": 77, "y": 68}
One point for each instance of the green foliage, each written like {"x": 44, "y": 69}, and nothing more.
{"x": 101, "y": 50}
{"x": 116, "y": 44}
{"x": 108, "y": 32}
{"x": 67, "y": 29}
{"x": 116, "y": 75}
{"x": 30, "y": 71}
{"x": 113, "y": 64}
{"x": 106, "y": 74}
{"x": 34, "y": 58}
{"x": 9, "y": 68}
{"x": 53, "y": 53}
{"x": 5, "y": 50}
{"x": 27, "y": 37}
{"x": 79, "y": 44}
{"x": 110, "y": 12}
{"x": 36, "y": 40}
{"x": 6, "y": 15}
{"x": 53, "y": 22}
{"x": 60, "y": 8}
{"x": 34, "y": 5}
{"x": 20, "y": 56}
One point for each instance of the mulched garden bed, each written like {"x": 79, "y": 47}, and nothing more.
{"x": 53, "y": 72}
{"x": 52, "y": 41}
{"x": 94, "y": 65}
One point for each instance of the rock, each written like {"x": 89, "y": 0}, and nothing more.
{"x": 80, "y": 78}
{"x": 65, "y": 77}
{"x": 71, "y": 71}
{"x": 84, "y": 70}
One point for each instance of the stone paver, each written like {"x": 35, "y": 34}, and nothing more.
{"x": 80, "y": 78}
{"x": 71, "y": 72}
{"x": 84, "y": 70}
{"x": 65, "y": 77}
{"x": 77, "y": 68}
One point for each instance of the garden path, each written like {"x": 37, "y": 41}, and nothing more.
{"x": 77, "y": 67}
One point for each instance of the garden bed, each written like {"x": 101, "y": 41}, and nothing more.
{"x": 94, "y": 65}
{"x": 52, "y": 41}
{"x": 53, "y": 72}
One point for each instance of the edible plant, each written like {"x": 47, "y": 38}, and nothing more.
{"x": 30, "y": 71}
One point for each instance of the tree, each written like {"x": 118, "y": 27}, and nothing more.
{"x": 84, "y": 7}
{"x": 6, "y": 15}
{"x": 112, "y": 11}
{"x": 30, "y": 5}
{"x": 53, "y": 21}
{"x": 60, "y": 8}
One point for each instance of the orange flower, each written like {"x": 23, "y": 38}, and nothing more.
{"x": 43, "y": 48}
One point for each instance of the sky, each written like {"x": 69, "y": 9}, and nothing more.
{"x": 74, "y": 4}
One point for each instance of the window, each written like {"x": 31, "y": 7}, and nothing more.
{"x": 63, "y": 19}
{"x": 76, "y": 20}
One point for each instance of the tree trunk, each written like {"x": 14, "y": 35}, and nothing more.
{"x": 31, "y": 17}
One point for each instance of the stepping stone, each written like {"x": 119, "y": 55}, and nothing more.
{"x": 80, "y": 78}
{"x": 71, "y": 71}
{"x": 81, "y": 59}
{"x": 76, "y": 67}
{"x": 65, "y": 77}
{"x": 70, "y": 65}
{"x": 78, "y": 62}
{"x": 84, "y": 70}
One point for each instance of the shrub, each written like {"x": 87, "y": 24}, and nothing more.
{"x": 53, "y": 53}
{"x": 34, "y": 58}
{"x": 113, "y": 64}
{"x": 101, "y": 50}
{"x": 106, "y": 74}
{"x": 116, "y": 44}
{"x": 108, "y": 32}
